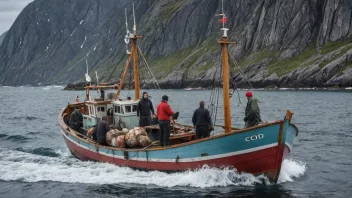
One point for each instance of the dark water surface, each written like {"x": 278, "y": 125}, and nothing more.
{"x": 34, "y": 160}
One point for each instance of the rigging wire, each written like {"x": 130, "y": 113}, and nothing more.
{"x": 214, "y": 96}
{"x": 155, "y": 82}
{"x": 247, "y": 81}
{"x": 241, "y": 72}
{"x": 116, "y": 66}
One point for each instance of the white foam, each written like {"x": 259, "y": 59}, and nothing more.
{"x": 34, "y": 168}
{"x": 291, "y": 169}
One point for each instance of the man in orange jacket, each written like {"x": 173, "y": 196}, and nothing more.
{"x": 164, "y": 112}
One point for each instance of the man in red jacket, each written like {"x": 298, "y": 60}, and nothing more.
{"x": 164, "y": 113}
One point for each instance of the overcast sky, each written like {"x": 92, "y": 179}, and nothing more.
{"x": 9, "y": 10}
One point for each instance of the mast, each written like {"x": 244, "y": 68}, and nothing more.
{"x": 133, "y": 55}
{"x": 135, "y": 58}
{"x": 123, "y": 77}
{"x": 135, "y": 67}
{"x": 225, "y": 74}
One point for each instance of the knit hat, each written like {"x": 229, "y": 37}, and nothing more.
{"x": 165, "y": 97}
{"x": 249, "y": 94}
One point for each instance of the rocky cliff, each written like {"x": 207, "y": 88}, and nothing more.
{"x": 279, "y": 43}
{"x": 2, "y": 37}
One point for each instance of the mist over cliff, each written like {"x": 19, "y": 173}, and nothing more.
{"x": 279, "y": 43}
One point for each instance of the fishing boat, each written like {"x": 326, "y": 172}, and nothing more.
{"x": 257, "y": 150}
{"x": 188, "y": 88}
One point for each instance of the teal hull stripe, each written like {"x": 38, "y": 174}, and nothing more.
{"x": 227, "y": 145}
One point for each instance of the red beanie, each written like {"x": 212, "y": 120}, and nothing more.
{"x": 249, "y": 94}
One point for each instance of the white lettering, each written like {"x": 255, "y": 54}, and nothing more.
{"x": 254, "y": 137}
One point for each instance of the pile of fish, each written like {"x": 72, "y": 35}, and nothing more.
{"x": 136, "y": 137}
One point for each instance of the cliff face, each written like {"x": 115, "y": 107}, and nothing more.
{"x": 285, "y": 43}
{"x": 2, "y": 37}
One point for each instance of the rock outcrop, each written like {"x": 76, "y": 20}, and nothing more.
{"x": 51, "y": 40}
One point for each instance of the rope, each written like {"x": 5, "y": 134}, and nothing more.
{"x": 124, "y": 54}
{"x": 248, "y": 82}
{"x": 241, "y": 72}
{"x": 142, "y": 73}
{"x": 234, "y": 88}
{"x": 155, "y": 82}
{"x": 214, "y": 96}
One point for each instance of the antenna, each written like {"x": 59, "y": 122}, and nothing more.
{"x": 222, "y": 9}
{"x": 126, "y": 22}
{"x": 134, "y": 22}
{"x": 88, "y": 79}
{"x": 127, "y": 37}
{"x": 223, "y": 20}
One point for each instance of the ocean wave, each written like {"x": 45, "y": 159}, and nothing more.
{"x": 291, "y": 169}
{"x": 17, "y": 138}
{"x": 40, "y": 151}
{"x": 23, "y": 118}
{"x": 29, "y": 167}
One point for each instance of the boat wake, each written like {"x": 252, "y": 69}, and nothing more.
{"x": 39, "y": 166}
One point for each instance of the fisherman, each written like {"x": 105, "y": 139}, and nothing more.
{"x": 145, "y": 111}
{"x": 102, "y": 94}
{"x": 92, "y": 132}
{"x": 94, "y": 135}
{"x": 76, "y": 121}
{"x": 102, "y": 129}
{"x": 202, "y": 121}
{"x": 252, "y": 114}
{"x": 164, "y": 112}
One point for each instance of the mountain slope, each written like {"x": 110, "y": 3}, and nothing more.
{"x": 284, "y": 43}
{"x": 2, "y": 37}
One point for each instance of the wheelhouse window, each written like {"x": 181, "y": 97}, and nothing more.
{"x": 128, "y": 109}
{"x": 118, "y": 109}
{"x": 102, "y": 109}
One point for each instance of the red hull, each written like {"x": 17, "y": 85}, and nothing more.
{"x": 266, "y": 161}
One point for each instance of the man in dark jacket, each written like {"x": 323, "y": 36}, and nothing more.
{"x": 102, "y": 129}
{"x": 145, "y": 111}
{"x": 164, "y": 112}
{"x": 202, "y": 121}
{"x": 252, "y": 114}
{"x": 76, "y": 121}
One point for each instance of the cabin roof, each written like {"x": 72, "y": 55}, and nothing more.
{"x": 97, "y": 103}
{"x": 125, "y": 102}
